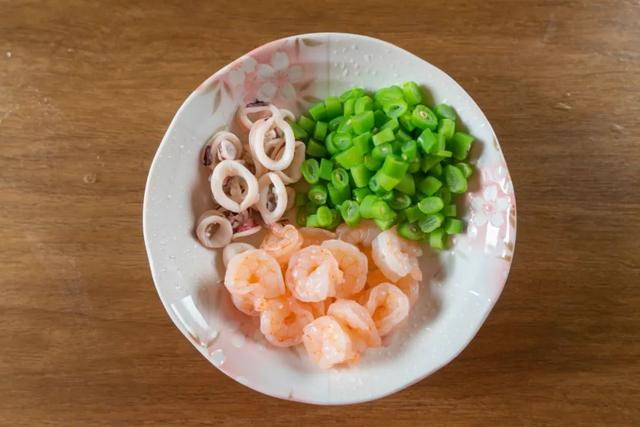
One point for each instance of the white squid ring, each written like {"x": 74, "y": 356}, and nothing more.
{"x": 293, "y": 173}
{"x": 265, "y": 182}
{"x": 227, "y": 168}
{"x": 220, "y": 237}
{"x": 257, "y": 143}
{"x": 220, "y": 142}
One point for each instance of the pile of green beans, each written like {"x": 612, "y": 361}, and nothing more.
{"x": 384, "y": 156}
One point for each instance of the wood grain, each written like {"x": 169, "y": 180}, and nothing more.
{"x": 87, "y": 90}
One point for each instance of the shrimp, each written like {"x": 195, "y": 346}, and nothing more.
{"x": 232, "y": 249}
{"x": 313, "y": 274}
{"x": 360, "y": 235}
{"x": 395, "y": 256}
{"x": 357, "y": 321}
{"x": 256, "y": 273}
{"x": 246, "y": 304}
{"x": 411, "y": 288}
{"x": 353, "y": 265}
{"x": 320, "y": 308}
{"x": 281, "y": 242}
{"x": 282, "y": 321}
{"x": 315, "y": 236}
{"x": 388, "y": 306}
{"x": 328, "y": 343}
{"x": 375, "y": 277}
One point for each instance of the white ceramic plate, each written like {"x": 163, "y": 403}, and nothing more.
{"x": 461, "y": 284}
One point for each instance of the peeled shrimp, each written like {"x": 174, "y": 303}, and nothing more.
{"x": 315, "y": 236}
{"x": 328, "y": 343}
{"x": 222, "y": 145}
{"x": 256, "y": 273}
{"x": 320, "y": 308}
{"x": 233, "y": 249}
{"x": 357, "y": 321}
{"x": 313, "y": 274}
{"x": 282, "y": 321}
{"x": 271, "y": 210}
{"x": 411, "y": 288}
{"x": 281, "y": 242}
{"x": 230, "y": 168}
{"x": 353, "y": 265}
{"x": 395, "y": 256}
{"x": 246, "y": 304}
{"x": 361, "y": 235}
{"x": 213, "y": 229}
{"x": 388, "y": 306}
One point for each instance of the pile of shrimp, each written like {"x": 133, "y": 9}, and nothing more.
{"x": 336, "y": 293}
{"x": 249, "y": 179}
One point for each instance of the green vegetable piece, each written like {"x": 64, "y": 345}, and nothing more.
{"x": 460, "y": 144}
{"x": 324, "y": 172}
{"x": 298, "y": 131}
{"x": 405, "y": 122}
{"x": 324, "y": 216}
{"x": 350, "y": 212}
{"x": 361, "y": 175}
{"x": 465, "y": 168}
{"x": 394, "y": 167}
{"x": 429, "y": 223}
{"x": 383, "y": 181}
{"x": 427, "y": 140}
{"x": 409, "y": 150}
{"x": 395, "y": 108}
{"x": 332, "y": 148}
{"x": 413, "y": 213}
{"x": 349, "y": 107}
{"x": 342, "y": 141}
{"x": 315, "y": 149}
{"x": 407, "y": 185}
{"x": 337, "y": 196}
{"x": 411, "y": 93}
{"x": 447, "y": 127}
{"x": 387, "y": 94}
{"x": 312, "y": 221}
{"x": 301, "y": 217}
{"x": 391, "y": 124}
{"x": 443, "y": 111}
{"x": 429, "y": 185}
{"x": 333, "y": 107}
{"x": 320, "y": 131}
{"x": 355, "y": 92}
{"x": 410, "y": 231}
{"x": 399, "y": 201}
{"x": 318, "y": 111}
{"x": 340, "y": 178}
{"x": 360, "y": 193}
{"x": 334, "y": 124}
{"x": 449, "y": 210}
{"x": 381, "y": 151}
{"x": 379, "y": 118}
{"x": 452, "y": 226}
{"x": 363, "y": 142}
{"x": 437, "y": 238}
{"x": 385, "y": 135}
{"x": 363, "y": 122}
{"x": 455, "y": 180}
{"x": 423, "y": 118}
{"x": 317, "y": 194}
{"x": 403, "y": 136}
{"x": 349, "y": 158}
{"x": 431, "y": 205}
{"x": 306, "y": 123}
{"x": 310, "y": 171}
{"x": 372, "y": 163}
{"x": 364, "y": 103}
{"x": 414, "y": 166}
{"x": 385, "y": 224}
{"x": 366, "y": 205}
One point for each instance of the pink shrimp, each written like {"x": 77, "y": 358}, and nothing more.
{"x": 315, "y": 236}
{"x": 357, "y": 321}
{"x": 411, "y": 287}
{"x": 281, "y": 242}
{"x": 388, "y": 306}
{"x": 254, "y": 272}
{"x": 395, "y": 256}
{"x": 283, "y": 319}
{"x": 353, "y": 265}
{"x": 313, "y": 274}
{"x": 328, "y": 343}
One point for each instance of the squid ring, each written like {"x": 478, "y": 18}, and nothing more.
{"x": 228, "y": 168}
{"x": 257, "y": 143}
{"x": 213, "y": 229}
{"x": 269, "y": 216}
{"x": 222, "y": 145}
{"x": 293, "y": 173}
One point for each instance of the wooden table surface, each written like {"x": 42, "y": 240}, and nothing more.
{"x": 87, "y": 90}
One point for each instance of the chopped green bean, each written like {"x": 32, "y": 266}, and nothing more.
{"x": 340, "y": 178}
{"x": 443, "y": 111}
{"x": 350, "y": 212}
{"x": 407, "y": 185}
{"x": 465, "y": 168}
{"x": 349, "y": 158}
{"x": 455, "y": 180}
{"x": 366, "y": 205}
{"x": 301, "y": 217}
{"x": 363, "y": 122}
{"x": 423, "y": 118}
{"x": 410, "y": 231}
{"x": 364, "y": 103}
{"x": 360, "y": 193}
{"x": 429, "y": 185}
{"x": 453, "y": 226}
{"x": 361, "y": 175}
{"x": 429, "y": 223}
{"x": 334, "y": 124}
{"x": 312, "y": 221}
{"x": 431, "y": 205}
{"x": 372, "y": 163}
{"x": 355, "y": 92}
{"x": 337, "y": 196}
{"x": 363, "y": 142}
{"x": 317, "y": 194}
{"x": 310, "y": 171}
{"x": 342, "y": 141}
{"x": 298, "y": 131}
{"x": 403, "y": 136}
{"x": 460, "y": 145}
{"x": 399, "y": 201}
{"x": 411, "y": 93}
{"x": 382, "y": 151}
{"x": 348, "y": 107}
{"x": 320, "y": 131}
{"x": 394, "y": 167}
{"x": 409, "y": 150}
{"x": 383, "y": 136}
{"x": 427, "y": 141}
{"x": 324, "y": 216}
{"x": 324, "y": 172}
{"x": 447, "y": 127}
{"x": 449, "y": 210}
{"x": 406, "y": 122}
{"x": 315, "y": 149}
{"x": 318, "y": 111}
{"x": 413, "y": 213}
{"x": 436, "y": 238}
{"x": 391, "y": 124}
{"x": 395, "y": 108}
{"x": 306, "y": 123}
{"x": 391, "y": 93}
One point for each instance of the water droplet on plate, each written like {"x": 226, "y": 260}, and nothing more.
{"x": 217, "y": 357}
{"x": 238, "y": 340}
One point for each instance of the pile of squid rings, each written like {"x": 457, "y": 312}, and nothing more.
{"x": 249, "y": 180}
